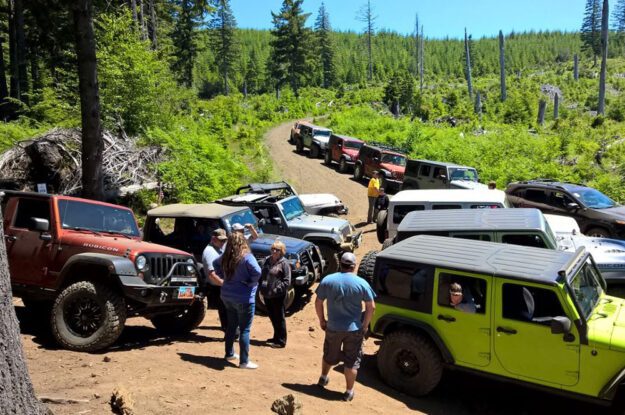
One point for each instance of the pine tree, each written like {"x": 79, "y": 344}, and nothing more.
{"x": 223, "y": 39}
{"x": 290, "y": 46}
{"x": 618, "y": 17}
{"x": 591, "y": 29}
{"x": 188, "y": 15}
{"x": 326, "y": 49}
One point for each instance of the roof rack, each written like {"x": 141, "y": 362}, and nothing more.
{"x": 384, "y": 146}
{"x": 542, "y": 180}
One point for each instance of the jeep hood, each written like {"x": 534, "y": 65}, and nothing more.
{"x": 321, "y": 138}
{"x": 393, "y": 168}
{"x": 607, "y": 253}
{"x": 316, "y": 223}
{"x": 606, "y": 326}
{"x": 319, "y": 200}
{"x": 116, "y": 245}
{"x": 467, "y": 184}
{"x": 263, "y": 244}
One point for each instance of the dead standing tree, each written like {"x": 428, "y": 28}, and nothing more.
{"x": 467, "y": 60}
{"x": 575, "y": 67}
{"x": 17, "y": 395}
{"x": 604, "y": 57}
{"x": 366, "y": 16}
{"x": 502, "y": 67}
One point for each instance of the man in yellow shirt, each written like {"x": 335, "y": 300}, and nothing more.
{"x": 373, "y": 191}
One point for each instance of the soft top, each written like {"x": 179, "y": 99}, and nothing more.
{"x": 472, "y": 220}
{"x": 203, "y": 210}
{"x": 348, "y": 138}
{"x": 489, "y": 258}
{"x": 451, "y": 195}
{"x": 439, "y": 163}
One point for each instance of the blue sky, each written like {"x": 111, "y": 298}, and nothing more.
{"x": 440, "y": 18}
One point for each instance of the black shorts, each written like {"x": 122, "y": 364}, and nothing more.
{"x": 343, "y": 346}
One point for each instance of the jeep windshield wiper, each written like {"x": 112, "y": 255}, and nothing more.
{"x": 118, "y": 233}
{"x": 78, "y": 228}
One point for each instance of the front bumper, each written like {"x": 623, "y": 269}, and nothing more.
{"x": 353, "y": 241}
{"x": 176, "y": 289}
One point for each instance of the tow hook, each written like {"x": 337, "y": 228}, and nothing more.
{"x": 163, "y": 297}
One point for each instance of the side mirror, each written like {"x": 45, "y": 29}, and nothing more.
{"x": 571, "y": 206}
{"x": 261, "y": 222}
{"x": 560, "y": 325}
{"x": 39, "y": 224}
{"x": 276, "y": 221}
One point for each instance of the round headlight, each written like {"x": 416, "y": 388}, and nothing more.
{"x": 190, "y": 267}
{"x": 141, "y": 262}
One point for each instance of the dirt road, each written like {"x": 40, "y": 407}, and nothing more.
{"x": 188, "y": 375}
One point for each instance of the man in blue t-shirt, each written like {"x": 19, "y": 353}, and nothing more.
{"x": 345, "y": 328}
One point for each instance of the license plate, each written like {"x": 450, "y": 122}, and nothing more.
{"x": 186, "y": 293}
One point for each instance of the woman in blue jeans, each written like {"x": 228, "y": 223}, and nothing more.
{"x": 240, "y": 272}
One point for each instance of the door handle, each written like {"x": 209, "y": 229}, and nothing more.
{"x": 448, "y": 319}
{"x": 505, "y": 330}
{"x": 10, "y": 238}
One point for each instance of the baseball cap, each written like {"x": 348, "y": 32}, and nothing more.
{"x": 237, "y": 227}
{"x": 220, "y": 234}
{"x": 348, "y": 258}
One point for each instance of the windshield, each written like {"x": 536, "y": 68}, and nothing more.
{"x": 97, "y": 218}
{"x": 322, "y": 133}
{"x": 395, "y": 159}
{"x": 594, "y": 199}
{"x": 462, "y": 174}
{"x": 291, "y": 208}
{"x": 243, "y": 217}
{"x": 353, "y": 144}
{"x": 550, "y": 234}
{"x": 586, "y": 287}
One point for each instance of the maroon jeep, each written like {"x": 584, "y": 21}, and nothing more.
{"x": 343, "y": 150}
{"x": 389, "y": 161}
{"x": 82, "y": 265}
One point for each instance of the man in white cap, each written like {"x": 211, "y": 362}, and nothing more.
{"x": 345, "y": 327}
{"x": 253, "y": 235}
{"x": 213, "y": 251}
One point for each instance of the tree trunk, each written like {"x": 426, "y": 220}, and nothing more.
{"x": 542, "y": 106}
{"x": 92, "y": 142}
{"x": 4, "y": 91}
{"x": 277, "y": 92}
{"x": 133, "y": 9}
{"x": 141, "y": 20}
{"x": 502, "y": 67}
{"x": 421, "y": 61}
{"x": 468, "y": 63}
{"x": 556, "y": 107}
{"x": 417, "y": 46}
{"x": 152, "y": 25}
{"x": 245, "y": 88}
{"x": 604, "y": 57}
{"x": 478, "y": 103}
{"x": 575, "y": 67}
{"x": 17, "y": 395}
{"x": 20, "y": 51}
{"x": 14, "y": 75}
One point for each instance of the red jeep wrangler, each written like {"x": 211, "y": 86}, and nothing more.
{"x": 343, "y": 150}
{"x": 389, "y": 161}
{"x": 82, "y": 264}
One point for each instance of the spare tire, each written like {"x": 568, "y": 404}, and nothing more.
{"x": 367, "y": 266}
{"x": 380, "y": 225}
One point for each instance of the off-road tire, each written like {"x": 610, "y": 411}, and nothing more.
{"x": 288, "y": 300}
{"x": 299, "y": 145}
{"x": 387, "y": 243}
{"x": 331, "y": 255}
{"x": 343, "y": 165}
{"x": 327, "y": 159}
{"x": 598, "y": 232}
{"x": 410, "y": 363}
{"x": 380, "y": 225}
{"x": 358, "y": 172}
{"x": 106, "y": 308}
{"x": 182, "y": 320}
{"x": 314, "y": 151}
{"x": 367, "y": 266}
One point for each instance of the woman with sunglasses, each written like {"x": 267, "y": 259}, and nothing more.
{"x": 276, "y": 280}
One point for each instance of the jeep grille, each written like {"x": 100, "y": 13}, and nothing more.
{"x": 161, "y": 265}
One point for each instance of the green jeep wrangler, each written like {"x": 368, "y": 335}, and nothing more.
{"x": 530, "y": 315}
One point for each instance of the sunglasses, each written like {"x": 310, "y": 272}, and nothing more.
{"x": 456, "y": 294}
{"x": 275, "y": 250}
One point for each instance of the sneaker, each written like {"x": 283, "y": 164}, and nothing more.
{"x": 323, "y": 382}
{"x": 270, "y": 342}
{"x": 348, "y": 396}
{"x": 248, "y": 365}
{"x": 231, "y": 358}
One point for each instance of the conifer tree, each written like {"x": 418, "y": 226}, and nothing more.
{"x": 290, "y": 46}
{"x": 223, "y": 40}
{"x": 591, "y": 29}
{"x": 618, "y": 17}
{"x": 188, "y": 16}
{"x": 326, "y": 49}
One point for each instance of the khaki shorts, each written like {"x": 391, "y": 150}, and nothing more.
{"x": 343, "y": 346}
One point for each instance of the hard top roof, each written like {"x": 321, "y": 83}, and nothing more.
{"x": 385, "y": 148}
{"x": 488, "y": 258}
{"x": 550, "y": 184}
{"x": 472, "y": 220}
{"x": 203, "y": 210}
{"x": 451, "y": 196}
{"x": 22, "y": 193}
{"x": 438, "y": 163}
{"x": 316, "y": 127}
{"x": 348, "y": 138}
{"x": 19, "y": 193}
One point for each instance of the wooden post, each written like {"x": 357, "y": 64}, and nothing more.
{"x": 502, "y": 67}
{"x": 468, "y": 63}
{"x": 556, "y": 106}
{"x": 604, "y": 57}
{"x": 575, "y": 67}
{"x": 542, "y": 106}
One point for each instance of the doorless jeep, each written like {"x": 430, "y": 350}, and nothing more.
{"x": 286, "y": 216}
{"x": 82, "y": 264}
{"x": 535, "y": 316}
{"x": 527, "y": 227}
{"x": 189, "y": 227}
